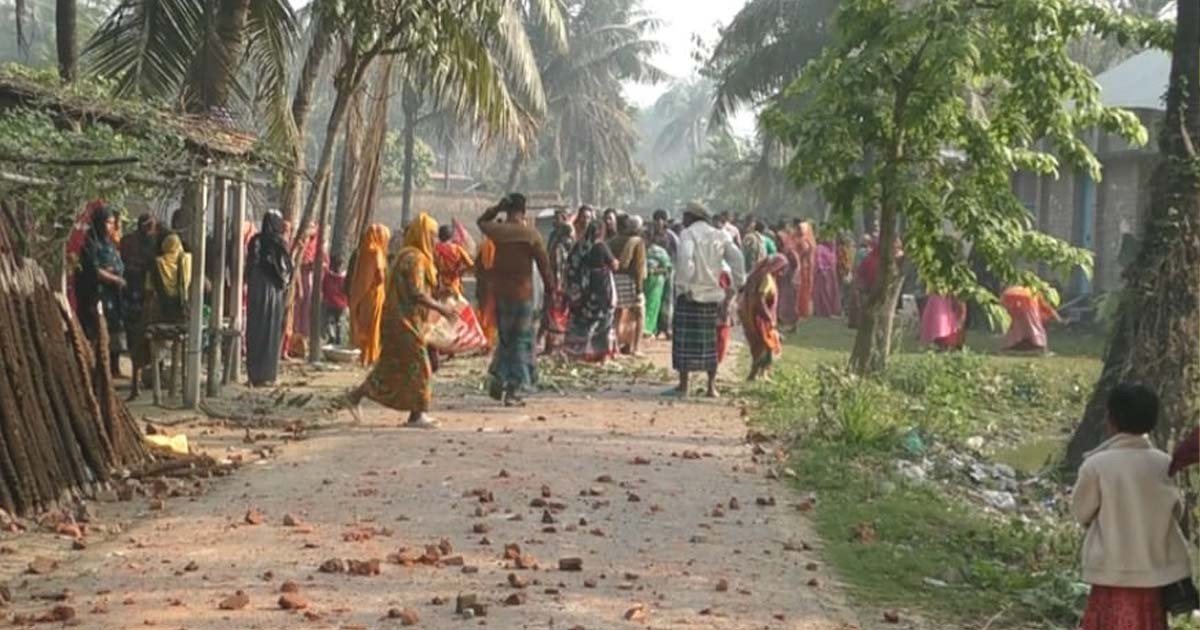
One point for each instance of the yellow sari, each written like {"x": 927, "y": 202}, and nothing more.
{"x": 401, "y": 378}
{"x": 367, "y": 292}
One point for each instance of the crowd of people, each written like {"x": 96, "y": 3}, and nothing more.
{"x": 599, "y": 286}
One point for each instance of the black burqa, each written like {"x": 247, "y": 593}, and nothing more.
{"x": 268, "y": 271}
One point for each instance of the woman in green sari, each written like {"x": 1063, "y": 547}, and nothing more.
{"x": 658, "y": 269}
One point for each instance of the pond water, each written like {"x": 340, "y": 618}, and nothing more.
{"x": 1033, "y": 454}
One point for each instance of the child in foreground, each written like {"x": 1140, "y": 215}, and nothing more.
{"x": 1131, "y": 508}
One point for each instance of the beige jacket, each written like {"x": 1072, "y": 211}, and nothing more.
{"x": 1131, "y": 509}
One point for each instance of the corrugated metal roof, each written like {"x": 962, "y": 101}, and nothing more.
{"x": 1139, "y": 82}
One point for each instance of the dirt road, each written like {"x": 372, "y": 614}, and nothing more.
{"x": 660, "y": 501}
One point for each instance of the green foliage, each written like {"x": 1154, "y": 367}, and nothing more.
{"x": 392, "y": 164}
{"x": 721, "y": 177}
{"x": 930, "y": 108}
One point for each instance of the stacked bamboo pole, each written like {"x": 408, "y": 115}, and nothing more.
{"x": 63, "y": 431}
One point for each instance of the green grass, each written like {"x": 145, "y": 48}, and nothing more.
{"x": 849, "y": 431}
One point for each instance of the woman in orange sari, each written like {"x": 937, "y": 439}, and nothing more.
{"x": 367, "y": 292}
{"x": 401, "y": 379}
{"x": 487, "y": 302}
{"x": 805, "y": 276}
{"x": 757, "y": 308}
{"x": 1029, "y": 311}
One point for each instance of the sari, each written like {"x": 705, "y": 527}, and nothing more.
{"x": 787, "y": 289}
{"x": 942, "y": 322}
{"x": 138, "y": 252}
{"x": 368, "y": 293}
{"x": 1029, "y": 312}
{"x": 593, "y": 298}
{"x": 302, "y": 308}
{"x": 757, "y": 310}
{"x": 805, "y": 275}
{"x": 827, "y": 285}
{"x": 453, "y": 262}
{"x": 401, "y": 378}
{"x": 658, "y": 270}
{"x": 725, "y": 311}
{"x": 487, "y": 301}
{"x": 556, "y": 315}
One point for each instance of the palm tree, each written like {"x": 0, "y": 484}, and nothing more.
{"x": 66, "y": 16}
{"x": 686, "y": 108}
{"x": 764, "y": 48}
{"x": 590, "y": 130}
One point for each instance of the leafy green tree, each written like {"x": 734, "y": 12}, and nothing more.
{"x": 1156, "y": 337}
{"x": 394, "y": 172}
{"x": 925, "y": 111}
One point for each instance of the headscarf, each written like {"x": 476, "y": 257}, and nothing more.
{"x": 269, "y": 250}
{"x": 773, "y": 264}
{"x": 102, "y": 243}
{"x": 419, "y": 237}
{"x": 174, "y": 267}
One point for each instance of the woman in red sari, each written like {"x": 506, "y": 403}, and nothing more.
{"x": 805, "y": 276}
{"x": 757, "y": 308}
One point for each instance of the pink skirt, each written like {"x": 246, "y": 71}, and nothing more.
{"x": 1115, "y": 608}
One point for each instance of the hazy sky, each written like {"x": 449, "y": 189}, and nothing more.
{"x": 681, "y": 19}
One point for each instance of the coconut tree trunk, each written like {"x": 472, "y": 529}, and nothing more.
{"x": 292, "y": 193}
{"x": 514, "y": 171}
{"x": 411, "y": 106}
{"x": 1156, "y": 340}
{"x": 65, "y": 14}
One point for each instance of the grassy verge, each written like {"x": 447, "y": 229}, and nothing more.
{"x": 927, "y": 546}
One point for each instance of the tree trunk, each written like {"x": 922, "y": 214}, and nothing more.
{"x": 873, "y": 341}
{"x": 411, "y": 105}
{"x": 351, "y": 148}
{"x": 1156, "y": 341}
{"x": 212, "y": 79}
{"x": 449, "y": 148}
{"x": 292, "y": 192}
{"x": 65, "y": 13}
{"x": 514, "y": 171}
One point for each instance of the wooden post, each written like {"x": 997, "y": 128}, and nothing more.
{"x": 195, "y": 339}
{"x": 315, "y": 321}
{"x": 216, "y": 318}
{"x": 237, "y": 321}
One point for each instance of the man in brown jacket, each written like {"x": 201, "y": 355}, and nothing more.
{"x": 518, "y": 248}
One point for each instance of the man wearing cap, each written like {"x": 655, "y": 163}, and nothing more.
{"x": 702, "y": 250}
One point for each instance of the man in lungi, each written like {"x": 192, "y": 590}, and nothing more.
{"x": 518, "y": 248}
{"x": 702, "y": 250}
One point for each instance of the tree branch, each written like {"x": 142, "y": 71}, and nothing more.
{"x": 5, "y": 157}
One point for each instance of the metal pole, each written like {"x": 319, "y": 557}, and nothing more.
{"x": 237, "y": 320}
{"x": 314, "y": 333}
{"x": 217, "y": 317}
{"x": 193, "y": 362}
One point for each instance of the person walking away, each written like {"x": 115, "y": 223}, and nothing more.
{"x": 268, "y": 272}
{"x": 1029, "y": 310}
{"x": 401, "y": 378}
{"x": 138, "y": 252}
{"x": 725, "y": 314}
{"x": 1123, "y": 496}
{"x": 805, "y": 276}
{"x": 788, "y": 317}
{"x": 453, "y": 262}
{"x": 666, "y": 238}
{"x": 827, "y": 285}
{"x": 556, "y": 316}
{"x": 702, "y": 250}
{"x": 757, "y": 308}
{"x": 302, "y": 308}
{"x": 368, "y": 291}
{"x": 658, "y": 273}
{"x": 943, "y": 322}
{"x": 485, "y": 262}
{"x": 518, "y": 248}
{"x": 593, "y": 298}
{"x": 334, "y": 300}
{"x": 630, "y": 282}
{"x": 99, "y": 284}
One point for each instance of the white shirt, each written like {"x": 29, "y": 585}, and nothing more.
{"x": 702, "y": 250}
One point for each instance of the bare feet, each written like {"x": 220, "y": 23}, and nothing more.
{"x": 712, "y": 392}
{"x": 421, "y": 421}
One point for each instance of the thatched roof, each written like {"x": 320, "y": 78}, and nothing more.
{"x": 202, "y": 134}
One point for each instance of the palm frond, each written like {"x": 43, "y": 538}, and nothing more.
{"x": 146, "y": 46}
